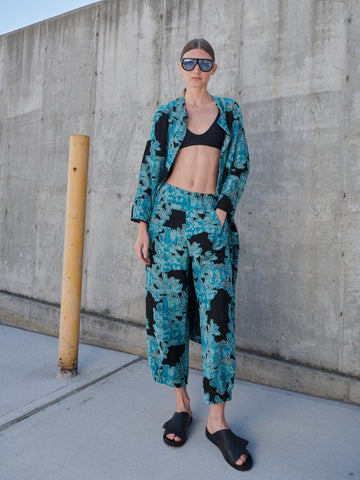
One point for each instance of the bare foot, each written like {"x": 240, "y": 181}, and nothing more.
{"x": 216, "y": 421}
{"x": 182, "y": 405}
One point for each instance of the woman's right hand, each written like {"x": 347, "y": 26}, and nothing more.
{"x": 141, "y": 246}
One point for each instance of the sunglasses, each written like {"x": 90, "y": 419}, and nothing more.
{"x": 189, "y": 64}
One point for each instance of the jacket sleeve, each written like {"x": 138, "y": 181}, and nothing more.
{"x": 152, "y": 168}
{"x": 237, "y": 165}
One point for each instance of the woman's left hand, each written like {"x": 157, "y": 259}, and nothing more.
{"x": 221, "y": 215}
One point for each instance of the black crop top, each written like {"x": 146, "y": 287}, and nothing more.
{"x": 213, "y": 137}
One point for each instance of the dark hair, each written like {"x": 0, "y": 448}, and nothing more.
{"x": 198, "y": 43}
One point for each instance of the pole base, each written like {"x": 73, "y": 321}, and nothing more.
{"x": 66, "y": 373}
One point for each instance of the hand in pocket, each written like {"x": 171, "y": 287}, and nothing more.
{"x": 221, "y": 215}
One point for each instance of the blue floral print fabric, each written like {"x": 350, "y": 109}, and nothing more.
{"x": 191, "y": 280}
{"x": 189, "y": 244}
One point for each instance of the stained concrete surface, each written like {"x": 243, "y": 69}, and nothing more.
{"x": 111, "y": 429}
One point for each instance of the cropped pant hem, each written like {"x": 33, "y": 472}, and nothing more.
{"x": 169, "y": 382}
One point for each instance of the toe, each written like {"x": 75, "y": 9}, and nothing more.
{"x": 173, "y": 437}
{"x": 241, "y": 460}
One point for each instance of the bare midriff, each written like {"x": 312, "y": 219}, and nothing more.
{"x": 196, "y": 167}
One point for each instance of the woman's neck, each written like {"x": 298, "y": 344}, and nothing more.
{"x": 195, "y": 98}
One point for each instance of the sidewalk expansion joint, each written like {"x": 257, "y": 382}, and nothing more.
{"x": 66, "y": 395}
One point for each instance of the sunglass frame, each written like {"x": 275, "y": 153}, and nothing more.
{"x": 198, "y": 61}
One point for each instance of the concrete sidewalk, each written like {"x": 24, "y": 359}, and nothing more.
{"x": 106, "y": 422}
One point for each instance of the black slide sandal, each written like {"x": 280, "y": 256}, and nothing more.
{"x": 178, "y": 424}
{"x": 232, "y": 447}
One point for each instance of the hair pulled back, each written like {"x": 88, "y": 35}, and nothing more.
{"x": 198, "y": 43}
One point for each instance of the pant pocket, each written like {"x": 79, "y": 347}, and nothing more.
{"x": 224, "y": 226}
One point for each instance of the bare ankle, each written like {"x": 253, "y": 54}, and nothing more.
{"x": 217, "y": 412}
{"x": 182, "y": 400}
{"x": 183, "y": 404}
{"x": 216, "y": 420}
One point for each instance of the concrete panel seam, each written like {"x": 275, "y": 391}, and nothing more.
{"x": 91, "y": 155}
{"x": 344, "y": 189}
{"x": 241, "y": 49}
{"x": 27, "y": 297}
{"x": 122, "y": 322}
{"x": 162, "y": 12}
{"x": 83, "y": 312}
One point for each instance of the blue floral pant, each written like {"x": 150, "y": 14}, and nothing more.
{"x": 189, "y": 244}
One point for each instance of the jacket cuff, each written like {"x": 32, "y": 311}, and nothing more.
{"x": 138, "y": 220}
{"x": 137, "y": 217}
{"x": 224, "y": 203}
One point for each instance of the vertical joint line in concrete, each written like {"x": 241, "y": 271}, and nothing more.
{"x": 240, "y": 79}
{"x": 91, "y": 134}
{"x": 158, "y": 93}
{"x": 344, "y": 192}
{"x": 43, "y": 25}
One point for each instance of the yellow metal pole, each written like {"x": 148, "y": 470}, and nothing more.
{"x": 73, "y": 256}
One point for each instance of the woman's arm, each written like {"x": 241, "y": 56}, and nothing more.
{"x": 141, "y": 246}
{"x": 152, "y": 168}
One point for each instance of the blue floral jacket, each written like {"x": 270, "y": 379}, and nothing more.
{"x": 167, "y": 133}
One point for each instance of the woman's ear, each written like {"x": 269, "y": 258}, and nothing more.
{"x": 214, "y": 69}
{"x": 180, "y": 68}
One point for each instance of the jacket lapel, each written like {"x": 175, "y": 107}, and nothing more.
{"x": 222, "y": 160}
{"x": 177, "y": 131}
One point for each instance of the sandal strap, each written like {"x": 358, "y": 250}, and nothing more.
{"x": 178, "y": 424}
{"x": 230, "y": 444}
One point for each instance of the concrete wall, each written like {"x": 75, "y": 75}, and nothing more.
{"x": 101, "y": 71}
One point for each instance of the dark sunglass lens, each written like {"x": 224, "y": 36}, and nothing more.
{"x": 188, "y": 64}
{"x": 205, "y": 65}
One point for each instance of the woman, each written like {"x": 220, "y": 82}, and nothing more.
{"x": 192, "y": 175}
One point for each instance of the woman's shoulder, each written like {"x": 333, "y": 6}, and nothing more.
{"x": 227, "y": 103}
{"x": 171, "y": 107}
{"x": 167, "y": 114}
{"x": 231, "y": 109}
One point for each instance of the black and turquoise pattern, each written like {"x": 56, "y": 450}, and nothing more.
{"x": 166, "y": 136}
{"x": 189, "y": 248}
{"x": 194, "y": 260}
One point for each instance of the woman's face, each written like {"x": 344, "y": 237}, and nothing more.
{"x": 196, "y": 78}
